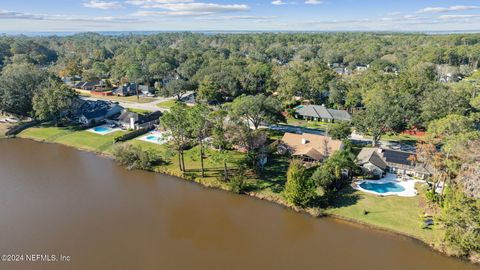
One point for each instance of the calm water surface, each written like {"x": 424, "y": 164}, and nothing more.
{"x": 57, "y": 200}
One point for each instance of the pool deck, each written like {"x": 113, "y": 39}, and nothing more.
{"x": 154, "y": 133}
{"x": 408, "y": 185}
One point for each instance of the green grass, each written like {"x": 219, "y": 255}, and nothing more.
{"x": 167, "y": 104}
{"x": 48, "y": 134}
{"x": 403, "y": 138}
{"x": 132, "y": 99}
{"x": 140, "y": 111}
{"x": 308, "y": 124}
{"x": 79, "y": 139}
{"x": 89, "y": 141}
{"x": 399, "y": 214}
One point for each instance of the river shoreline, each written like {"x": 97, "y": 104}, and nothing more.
{"x": 312, "y": 212}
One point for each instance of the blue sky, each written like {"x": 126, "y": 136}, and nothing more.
{"x": 305, "y": 15}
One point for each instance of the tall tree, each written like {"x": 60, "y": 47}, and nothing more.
{"x": 53, "y": 101}
{"x": 176, "y": 121}
{"x": 257, "y": 109}
{"x": 200, "y": 125}
{"x": 18, "y": 85}
{"x": 221, "y": 141}
{"x": 382, "y": 114}
{"x": 299, "y": 190}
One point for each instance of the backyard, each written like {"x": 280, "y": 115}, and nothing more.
{"x": 80, "y": 139}
{"x": 399, "y": 214}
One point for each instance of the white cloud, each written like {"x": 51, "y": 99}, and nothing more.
{"x": 278, "y": 2}
{"x": 102, "y": 4}
{"x": 446, "y": 9}
{"x": 458, "y": 16}
{"x": 5, "y": 14}
{"x": 313, "y": 2}
{"x": 191, "y": 9}
{"x": 152, "y": 3}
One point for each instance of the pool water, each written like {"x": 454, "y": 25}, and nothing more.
{"x": 152, "y": 138}
{"x": 382, "y": 187}
{"x": 101, "y": 129}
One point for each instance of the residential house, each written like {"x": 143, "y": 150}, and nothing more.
{"x": 131, "y": 120}
{"x": 129, "y": 89}
{"x": 321, "y": 113}
{"x": 342, "y": 71}
{"x": 91, "y": 112}
{"x": 362, "y": 67}
{"x": 379, "y": 161}
{"x": 97, "y": 86}
{"x": 189, "y": 99}
{"x": 309, "y": 147}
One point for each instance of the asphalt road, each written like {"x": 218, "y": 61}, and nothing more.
{"x": 150, "y": 106}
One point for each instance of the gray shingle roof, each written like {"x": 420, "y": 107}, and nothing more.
{"x": 318, "y": 111}
{"x": 371, "y": 155}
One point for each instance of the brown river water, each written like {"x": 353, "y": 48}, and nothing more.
{"x": 57, "y": 200}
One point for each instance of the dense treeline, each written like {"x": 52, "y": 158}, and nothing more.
{"x": 404, "y": 68}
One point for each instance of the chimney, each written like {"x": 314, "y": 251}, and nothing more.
{"x": 304, "y": 141}
{"x": 379, "y": 150}
{"x": 132, "y": 123}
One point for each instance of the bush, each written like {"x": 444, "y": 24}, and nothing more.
{"x": 135, "y": 157}
{"x": 132, "y": 134}
{"x": 299, "y": 189}
{"x": 237, "y": 183}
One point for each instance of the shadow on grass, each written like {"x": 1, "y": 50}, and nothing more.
{"x": 345, "y": 197}
{"x": 274, "y": 173}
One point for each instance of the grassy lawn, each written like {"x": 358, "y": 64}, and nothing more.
{"x": 167, "y": 104}
{"x": 308, "y": 124}
{"x": 88, "y": 140}
{"x": 398, "y": 214}
{"x": 132, "y": 99}
{"x": 48, "y": 134}
{"x": 79, "y": 139}
{"x": 403, "y": 138}
{"x": 140, "y": 111}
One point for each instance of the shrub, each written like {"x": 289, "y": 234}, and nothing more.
{"x": 299, "y": 189}
{"x": 237, "y": 183}
{"x": 135, "y": 157}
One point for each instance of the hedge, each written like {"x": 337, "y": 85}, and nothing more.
{"x": 133, "y": 134}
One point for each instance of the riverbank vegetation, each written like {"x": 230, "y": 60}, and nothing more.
{"x": 247, "y": 81}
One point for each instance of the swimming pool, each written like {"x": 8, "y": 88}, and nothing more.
{"x": 102, "y": 129}
{"x": 382, "y": 188}
{"x": 389, "y": 185}
{"x": 155, "y": 137}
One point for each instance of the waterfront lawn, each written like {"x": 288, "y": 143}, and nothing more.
{"x": 167, "y": 104}
{"x": 67, "y": 136}
{"x": 89, "y": 140}
{"x": 48, "y": 134}
{"x": 399, "y": 214}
